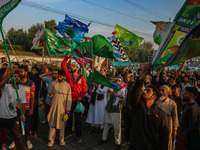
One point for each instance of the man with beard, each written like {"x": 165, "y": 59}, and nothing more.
{"x": 34, "y": 76}
{"x": 191, "y": 115}
{"x": 127, "y": 110}
{"x": 16, "y": 67}
{"x": 149, "y": 128}
{"x": 176, "y": 92}
{"x": 49, "y": 81}
{"x": 147, "y": 81}
{"x": 170, "y": 108}
{"x": 8, "y": 112}
{"x": 198, "y": 90}
{"x": 61, "y": 104}
{"x": 79, "y": 89}
{"x": 185, "y": 83}
{"x": 112, "y": 115}
{"x": 29, "y": 87}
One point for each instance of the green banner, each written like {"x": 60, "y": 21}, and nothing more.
{"x": 170, "y": 49}
{"x": 55, "y": 44}
{"x": 187, "y": 14}
{"x": 189, "y": 48}
{"x": 7, "y": 6}
{"x": 183, "y": 22}
{"x": 127, "y": 38}
{"x": 101, "y": 47}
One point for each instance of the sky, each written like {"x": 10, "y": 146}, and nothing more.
{"x": 24, "y": 17}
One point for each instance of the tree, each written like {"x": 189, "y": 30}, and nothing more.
{"x": 18, "y": 37}
{"x": 142, "y": 54}
{"x": 50, "y": 25}
{"x": 145, "y": 52}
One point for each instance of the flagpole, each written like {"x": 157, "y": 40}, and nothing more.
{"x": 10, "y": 44}
{"x": 13, "y": 76}
{"x": 43, "y": 48}
{"x": 113, "y": 66}
{"x": 169, "y": 31}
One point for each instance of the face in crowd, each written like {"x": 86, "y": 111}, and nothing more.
{"x": 119, "y": 81}
{"x": 22, "y": 73}
{"x": 198, "y": 83}
{"x": 17, "y": 79}
{"x": 61, "y": 78}
{"x": 147, "y": 80}
{"x": 176, "y": 91}
{"x": 149, "y": 94}
{"x": 185, "y": 79}
{"x": 55, "y": 75}
{"x": 34, "y": 71}
{"x": 74, "y": 68}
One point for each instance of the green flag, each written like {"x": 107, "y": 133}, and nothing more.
{"x": 181, "y": 25}
{"x": 7, "y": 6}
{"x": 189, "y": 48}
{"x": 171, "y": 48}
{"x": 189, "y": 11}
{"x": 97, "y": 77}
{"x": 127, "y": 38}
{"x": 55, "y": 44}
{"x": 83, "y": 49}
{"x": 101, "y": 47}
{"x": 160, "y": 31}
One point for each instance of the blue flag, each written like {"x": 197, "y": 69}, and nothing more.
{"x": 72, "y": 29}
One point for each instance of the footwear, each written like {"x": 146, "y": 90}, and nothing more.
{"x": 29, "y": 145}
{"x": 62, "y": 143}
{"x": 118, "y": 147}
{"x": 44, "y": 121}
{"x": 68, "y": 135}
{"x": 35, "y": 134}
{"x": 125, "y": 143}
{"x": 4, "y": 147}
{"x": 103, "y": 141}
{"x": 50, "y": 144}
{"x": 78, "y": 139}
{"x": 12, "y": 145}
{"x": 91, "y": 131}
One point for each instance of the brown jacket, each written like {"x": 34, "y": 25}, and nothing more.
{"x": 149, "y": 129}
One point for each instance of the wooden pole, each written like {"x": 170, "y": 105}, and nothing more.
{"x": 43, "y": 56}
{"x": 179, "y": 70}
{"x": 10, "y": 44}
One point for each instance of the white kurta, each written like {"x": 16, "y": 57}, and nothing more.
{"x": 96, "y": 112}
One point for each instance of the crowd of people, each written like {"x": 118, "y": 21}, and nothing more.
{"x": 159, "y": 109}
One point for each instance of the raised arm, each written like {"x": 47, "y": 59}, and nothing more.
{"x": 6, "y": 77}
{"x": 136, "y": 93}
{"x": 64, "y": 62}
{"x": 137, "y": 88}
{"x": 45, "y": 74}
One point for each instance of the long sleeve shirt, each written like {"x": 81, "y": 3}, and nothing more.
{"x": 190, "y": 118}
{"x": 79, "y": 88}
{"x": 149, "y": 128}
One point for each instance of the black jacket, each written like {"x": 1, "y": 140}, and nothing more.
{"x": 149, "y": 129}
